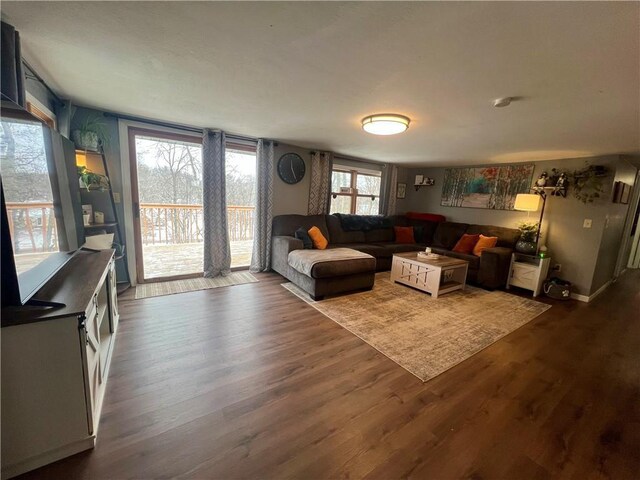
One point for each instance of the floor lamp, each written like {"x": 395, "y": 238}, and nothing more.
{"x": 530, "y": 202}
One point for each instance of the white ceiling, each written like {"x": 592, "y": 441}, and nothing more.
{"x": 306, "y": 73}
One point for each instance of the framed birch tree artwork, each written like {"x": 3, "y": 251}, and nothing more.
{"x": 492, "y": 187}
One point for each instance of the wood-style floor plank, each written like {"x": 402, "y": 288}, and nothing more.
{"x": 251, "y": 382}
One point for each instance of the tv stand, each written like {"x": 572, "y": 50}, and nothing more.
{"x": 34, "y": 302}
{"x": 55, "y": 364}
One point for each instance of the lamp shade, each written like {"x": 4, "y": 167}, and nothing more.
{"x": 527, "y": 202}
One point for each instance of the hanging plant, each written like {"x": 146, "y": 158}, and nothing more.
{"x": 91, "y": 180}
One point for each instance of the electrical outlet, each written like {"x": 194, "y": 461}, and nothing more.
{"x": 116, "y": 197}
{"x": 587, "y": 223}
{"x": 557, "y": 267}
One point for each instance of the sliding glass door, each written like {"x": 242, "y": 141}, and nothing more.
{"x": 167, "y": 196}
{"x": 168, "y": 213}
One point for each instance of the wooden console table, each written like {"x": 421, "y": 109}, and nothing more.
{"x": 55, "y": 364}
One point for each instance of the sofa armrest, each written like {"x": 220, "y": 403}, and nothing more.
{"x": 281, "y": 246}
{"x": 494, "y": 267}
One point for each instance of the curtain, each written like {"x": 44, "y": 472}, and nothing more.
{"x": 12, "y": 73}
{"x": 261, "y": 255}
{"x": 392, "y": 192}
{"x": 217, "y": 254}
{"x": 320, "y": 188}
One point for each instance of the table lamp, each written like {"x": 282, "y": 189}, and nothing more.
{"x": 530, "y": 202}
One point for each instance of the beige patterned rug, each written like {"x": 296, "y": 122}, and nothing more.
{"x": 423, "y": 335}
{"x": 145, "y": 290}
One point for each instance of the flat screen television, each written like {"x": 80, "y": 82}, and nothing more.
{"x": 41, "y": 213}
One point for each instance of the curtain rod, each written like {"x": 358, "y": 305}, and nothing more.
{"x": 370, "y": 162}
{"x": 177, "y": 126}
{"x": 34, "y": 76}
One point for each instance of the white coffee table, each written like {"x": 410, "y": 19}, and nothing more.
{"x": 437, "y": 274}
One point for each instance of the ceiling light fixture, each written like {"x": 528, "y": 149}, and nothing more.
{"x": 502, "y": 102}
{"x": 385, "y": 123}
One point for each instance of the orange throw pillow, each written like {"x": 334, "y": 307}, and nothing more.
{"x": 466, "y": 243}
{"x": 317, "y": 238}
{"x": 404, "y": 234}
{"x": 483, "y": 244}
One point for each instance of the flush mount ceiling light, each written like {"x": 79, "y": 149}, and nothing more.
{"x": 385, "y": 124}
{"x": 502, "y": 102}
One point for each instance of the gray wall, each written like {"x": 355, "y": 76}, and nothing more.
{"x": 578, "y": 249}
{"x": 291, "y": 198}
{"x": 614, "y": 227}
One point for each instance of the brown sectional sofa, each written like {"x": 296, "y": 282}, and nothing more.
{"x": 490, "y": 270}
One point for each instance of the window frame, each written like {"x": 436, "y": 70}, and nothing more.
{"x": 354, "y": 195}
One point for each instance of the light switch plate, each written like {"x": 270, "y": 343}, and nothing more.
{"x": 116, "y": 197}
{"x": 587, "y": 223}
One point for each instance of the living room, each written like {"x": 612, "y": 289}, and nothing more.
{"x": 223, "y": 265}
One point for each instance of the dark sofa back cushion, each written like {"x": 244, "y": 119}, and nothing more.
{"x": 507, "y": 237}
{"x": 288, "y": 224}
{"x": 426, "y": 228}
{"x": 338, "y": 235}
{"x": 379, "y": 235}
{"x": 448, "y": 233}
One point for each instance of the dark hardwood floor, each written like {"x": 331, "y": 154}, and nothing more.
{"x": 250, "y": 382}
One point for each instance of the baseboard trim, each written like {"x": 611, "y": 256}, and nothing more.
{"x": 590, "y": 298}
{"x": 48, "y": 457}
{"x": 580, "y": 298}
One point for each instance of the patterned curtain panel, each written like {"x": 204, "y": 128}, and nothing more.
{"x": 392, "y": 192}
{"x": 261, "y": 255}
{"x": 217, "y": 254}
{"x": 320, "y": 188}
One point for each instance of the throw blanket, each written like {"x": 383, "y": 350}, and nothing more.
{"x": 304, "y": 260}
{"x": 363, "y": 223}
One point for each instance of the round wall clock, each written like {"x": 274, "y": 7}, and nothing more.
{"x": 291, "y": 168}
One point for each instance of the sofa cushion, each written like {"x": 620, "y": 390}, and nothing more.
{"x": 287, "y": 224}
{"x": 379, "y": 235}
{"x": 431, "y": 217}
{"x": 448, "y": 233}
{"x": 474, "y": 262}
{"x": 483, "y": 244}
{"x": 319, "y": 240}
{"x": 507, "y": 237}
{"x": 466, "y": 243}
{"x": 333, "y": 262}
{"x": 377, "y": 251}
{"x": 338, "y": 235}
{"x": 393, "y": 247}
{"x": 404, "y": 234}
{"x": 302, "y": 234}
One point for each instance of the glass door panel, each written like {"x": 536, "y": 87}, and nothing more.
{"x": 240, "y": 176}
{"x": 168, "y": 190}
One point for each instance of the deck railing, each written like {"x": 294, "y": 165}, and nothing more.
{"x": 160, "y": 223}
{"x": 170, "y": 223}
{"x": 32, "y": 226}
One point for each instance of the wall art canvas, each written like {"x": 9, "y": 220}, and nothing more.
{"x": 492, "y": 187}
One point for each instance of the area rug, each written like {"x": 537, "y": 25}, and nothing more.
{"x": 426, "y": 336}
{"x": 146, "y": 290}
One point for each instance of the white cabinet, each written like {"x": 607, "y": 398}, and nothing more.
{"x": 55, "y": 365}
{"x": 527, "y": 271}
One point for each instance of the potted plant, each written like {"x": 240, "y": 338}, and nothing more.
{"x": 527, "y": 242}
{"x": 91, "y": 134}
{"x": 91, "y": 180}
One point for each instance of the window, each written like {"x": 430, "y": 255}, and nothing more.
{"x": 355, "y": 191}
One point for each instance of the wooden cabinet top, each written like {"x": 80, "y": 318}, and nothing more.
{"x": 73, "y": 285}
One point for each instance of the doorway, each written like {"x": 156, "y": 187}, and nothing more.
{"x": 166, "y": 180}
